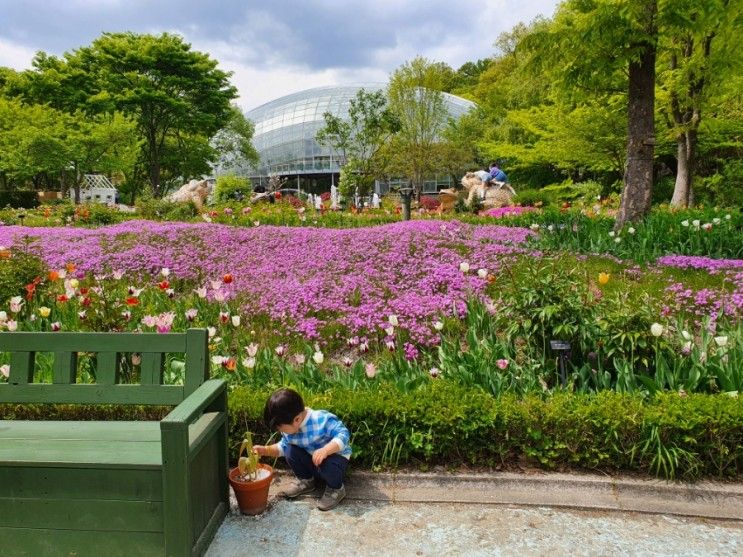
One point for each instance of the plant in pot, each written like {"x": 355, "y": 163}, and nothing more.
{"x": 250, "y": 479}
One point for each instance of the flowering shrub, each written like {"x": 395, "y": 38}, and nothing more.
{"x": 430, "y": 203}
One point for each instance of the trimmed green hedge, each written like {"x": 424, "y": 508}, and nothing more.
{"x": 668, "y": 436}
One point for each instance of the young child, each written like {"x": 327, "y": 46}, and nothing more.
{"x": 313, "y": 442}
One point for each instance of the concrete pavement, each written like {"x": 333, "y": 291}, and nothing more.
{"x": 495, "y": 514}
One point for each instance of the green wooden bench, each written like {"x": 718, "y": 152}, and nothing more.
{"x": 106, "y": 488}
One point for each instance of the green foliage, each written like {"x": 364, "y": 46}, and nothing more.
{"x": 19, "y": 199}
{"x": 18, "y": 270}
{"x": 231, "y": 188}
{"x": 532, "y": 198}
{"x": 162, "y": 209}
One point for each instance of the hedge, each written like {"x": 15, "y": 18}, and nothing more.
{"x": 669, "y": 436}
{"x": 21, "y": 199}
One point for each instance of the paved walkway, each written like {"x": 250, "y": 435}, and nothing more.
{"x": 399, "y": 515}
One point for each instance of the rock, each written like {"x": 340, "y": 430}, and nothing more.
{"x": 493, "y": 196}
{"x": 196, "y": 191}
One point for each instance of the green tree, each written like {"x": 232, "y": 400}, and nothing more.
{"x": 415, "y": 94}
{"x": 359, "y": 139}
{"x": 177, "y": 97}
{"x": 233, "y": 143}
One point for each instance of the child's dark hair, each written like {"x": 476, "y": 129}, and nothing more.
{"x": 282, "y": 407}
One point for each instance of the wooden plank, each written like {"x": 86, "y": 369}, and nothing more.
{"x": 167, "y": 395}
{"x": 203, "y": 430}
{"x": 92, "y": 342}
{"x": 197, "y": 359}
{"x": 178, "y": 529}
{"x": 21, "y": 367}
{"x": 81, "y": 483}
{"x": 108, "y": 368}
{"x": 193, "y": 406}
{"x": 82, "y": 514}
{"x": 152, "y": 368}
{"x": 76, "y": 453}
{"x": 64, "y": 370}
{"x": 101, "y": 431}
{"x": 205, "y": 492}
{"x": 39, "y": 542}
{"x": 207, "y": 535}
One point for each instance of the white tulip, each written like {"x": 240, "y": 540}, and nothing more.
{"x": 656, "y": 329}
{"x": 721, "y": 341}
{"x": 217, "y": 360}
{"x": 390, "y": 331}
{"x": 630, "y": 230}
{"x": 464, "y": 267}
{"x": 482, "y": 273}
{"x": 611, "y": 233}
{"x": 235, "y": 320}
{"x": 212, "y": 331}
{"x": 684, "y": 223}
{"x": 3, "y": 316}
{"x": 249, "y": 362}
{"x": 696, "y": 223}
{"x": 438, "y": 325}
{"x": 393, "y": 320}
{"x": 318, "y": 357}
{"x": 12, "y": 325}
{"x": 686, "y": 335}
{"x": 165, "y": 272}
{"x": 717, "y": 220}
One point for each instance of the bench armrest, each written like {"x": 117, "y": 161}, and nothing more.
{"x": 195, "y": 404}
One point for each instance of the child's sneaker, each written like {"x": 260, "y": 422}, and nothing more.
{"x": 300, "y": 487}
{"x": 331, "y": 498}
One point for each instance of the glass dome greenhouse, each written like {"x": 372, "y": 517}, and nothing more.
{"x": 285, "y": 131}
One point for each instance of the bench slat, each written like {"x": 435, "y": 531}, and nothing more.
{"x": 81, "y": 453}
{"x": 76, "y": 514}
{"x": 22, "y": 367}
{"x": 152, "y": 368}
{"x": 90, "y": 483}
{"x": 64, "y": 370}
{"x": 92, "y": 342}
{"x": 101, "y": 431}
{"x": 166, "y": 395}
{"x": 108, "y": 368}
{"x": 83, "y": 543}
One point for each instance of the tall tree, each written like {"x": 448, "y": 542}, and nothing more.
{"x": 415, "y": 96}
{"x": 177, "y": 97}
{"x": 359, "y": 138}
{"x": 698, "y": 52}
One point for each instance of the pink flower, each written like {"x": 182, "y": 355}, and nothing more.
{"x": 252, "y": 349}
{"x": 502, "y": 364}
{"x": 56, "y": 326}
{"x": 370, "y": 370}
{"x": 191, "y": 314}
{"x": 164, "y": 322}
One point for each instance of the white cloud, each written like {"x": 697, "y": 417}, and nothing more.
{"x": 15, "y": 56}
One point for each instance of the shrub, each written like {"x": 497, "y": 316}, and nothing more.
{"x": 162, "y": 209}
{"x": 101, "y": 214}
{"x": 21, "y": 199}
{"x": 231, "y": 188}
{"x": 430, "y": 203}
{"x": 16, "y": 271}
{"x": 532, "y": 198}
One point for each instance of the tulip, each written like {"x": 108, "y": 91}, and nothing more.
{"x": 230, "y": 364}
{"x": 44, "y": 311}
{"x": 132, "y": 301}
{"x": 5, "y": 370}
{"x": 502, "y": 364}
{"x": 363, "y": 347}
{"x": 348, "y": 362}
{"x": 12, "y": 325}
{"x": 318, "y": 357}
{"x": 390, "y": 331}
{"x": 630, "y": 230}
{"x": 118, "y": 274}
{"x": 165, "y": 272}
{"x": 216, "y": 284}
{"x": 212, "y": 331}
{"x": 70, "y": 267}
{"x": 721, "y": 341}
{"x": 656, "y": 329}
{"x": 219, "y": 296}
{"x": 434, "y": 372}
{"x": 127, "y": 315}
{"x": 201, "y": 292}
{"x": 617, "y": 240}
{"x": 252, "y": 349}
{"x": 369, "y": 369}
{"x": 390, "y": 344}
{"x": 393, "y": 320}
{"x": 224, "y": 317}
{"x": 16, "y": 302}
{"x": 728, "y": 216}
{"x": 280, "y": 350}
{"x": 217, "y": 360}
{"x": 686, "y": 335}
{"x": 249, "y": 362}
{"x": 684, "y": 223}
{"x": 482, "y": 273}
{"x": 163, "y": 285}
{"x": 299, "y": 359}
{"x": 235, "y": 320}
{"x": 604, "y": 278}
{"x": 81, "y": 315}
{"x": 53, "y": 275}
{"x": 171, "y": 293}
{"x": 56, "y": 326}
{"x": 534, "y": 227}
{"x": 612, "y": 234}
{"x": 464, "y": 267}
{"x": 438, "y": 325}
{"x": 191, "y": 314}
{"x": 227, "y": 279}
{"x": 3, "y": 316}
{"x": 717, "y": 220}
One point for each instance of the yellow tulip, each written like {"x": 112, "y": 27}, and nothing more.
{"x": 44, "y": 311}
{"x": 604, "y": 278}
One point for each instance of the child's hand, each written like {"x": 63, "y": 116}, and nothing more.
{"x": 260, "y": 450}
{"x": 319, "y": 456}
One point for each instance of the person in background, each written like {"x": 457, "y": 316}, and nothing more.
{"x": 496, "y": 174}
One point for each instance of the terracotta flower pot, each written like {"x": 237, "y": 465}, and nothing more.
{"x": 252, "y": 497}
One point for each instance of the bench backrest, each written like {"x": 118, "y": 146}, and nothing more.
{"x": 108, "y": 347}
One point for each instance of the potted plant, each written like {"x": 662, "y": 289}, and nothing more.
{"x": 250, "y": 479}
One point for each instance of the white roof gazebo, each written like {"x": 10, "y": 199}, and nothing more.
{"x": 96, "y": 188}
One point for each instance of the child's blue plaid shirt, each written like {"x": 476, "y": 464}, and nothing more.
{"x": 317, "y": 430}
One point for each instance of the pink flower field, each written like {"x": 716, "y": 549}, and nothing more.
{"x": 303, "y": 278}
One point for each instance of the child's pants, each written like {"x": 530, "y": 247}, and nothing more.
{"x": 331, "y": 470}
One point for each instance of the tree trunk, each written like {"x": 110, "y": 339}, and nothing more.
{"x": 686, "y": 149}
{"x": 155, "y": 178}
{"x": 638, "y": 176}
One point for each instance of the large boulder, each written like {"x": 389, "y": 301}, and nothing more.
{"x": 492, "y": 195}
{"x": 196, "y": 191}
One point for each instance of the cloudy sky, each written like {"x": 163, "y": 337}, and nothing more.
{"x": 276, "y": 47}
